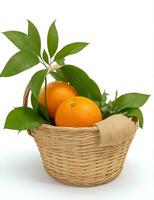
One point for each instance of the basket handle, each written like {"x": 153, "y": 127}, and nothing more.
{"x": 27, "y": 90}
{"x": 116, "y": 129}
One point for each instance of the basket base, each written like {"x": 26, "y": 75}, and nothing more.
{"x": 82, "y": 183}
{"x": 80, "y": 161}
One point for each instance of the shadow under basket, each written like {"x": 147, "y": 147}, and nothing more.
{"x": 85, "y": 156}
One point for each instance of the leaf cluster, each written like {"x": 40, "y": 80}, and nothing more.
{"x": 31, "y": 54}
{"x": 127, "y": 104}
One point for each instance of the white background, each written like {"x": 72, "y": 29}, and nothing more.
{"x": 120, "y": 56}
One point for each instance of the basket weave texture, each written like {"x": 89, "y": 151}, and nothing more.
{"x": 84, "y": 156}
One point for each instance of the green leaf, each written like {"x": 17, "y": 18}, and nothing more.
{"x": 34, "y": 103}
{"x": 70, "y": 49}
{"x": 116, "y": 94}
{"x": 104, "y": 98}
{"x": 45, "y": 56}
{"x": 130, "y": 100}
{"x": 58, "y": 75}
{"x": 40, "y": 109}
{"x": 61, "y": 61}
{"x": 20, "y": 40}
{"x": 110, "y": 104}
{"x": 97, "y": 102}
{"x": 19, "y": 62}
{"x": 52, "y": 39}
{"x": 105, "y": 110}
{"x": 135, "y": 112}
{"x": 84, "y": 85}
{"x": 23, "y": 118}
{"x": 34, "y": 36}
{"x": 94, "y": 90}
{"x": 37, "y": 81}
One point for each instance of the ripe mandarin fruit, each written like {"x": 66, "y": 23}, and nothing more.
{"x": 77, "y": 112}
{"x": 56, "y": 93}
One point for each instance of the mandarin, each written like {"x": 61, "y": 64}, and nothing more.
{"x": 77, "y": 112}
{"x": 56, "y": 93}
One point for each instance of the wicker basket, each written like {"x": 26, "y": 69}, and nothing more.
{"x": 84, "y": 156}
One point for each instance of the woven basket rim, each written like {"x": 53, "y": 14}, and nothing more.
{"x": 61, "y": 128}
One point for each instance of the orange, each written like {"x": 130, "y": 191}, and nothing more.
{"x": 56, "y": 93}
{"x": 77, "y": 112}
